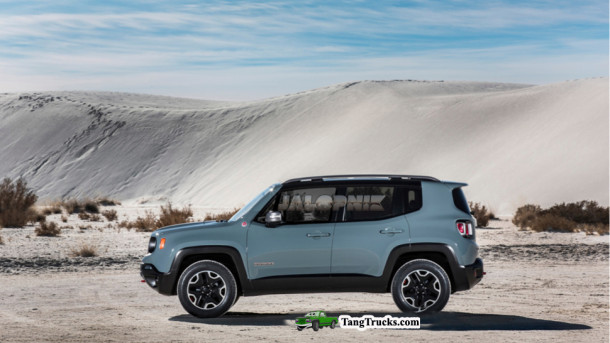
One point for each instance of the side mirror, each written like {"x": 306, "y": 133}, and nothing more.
{"x": 273, "y": 219}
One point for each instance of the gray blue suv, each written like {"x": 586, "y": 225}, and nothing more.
{"x": 412, "y": 236}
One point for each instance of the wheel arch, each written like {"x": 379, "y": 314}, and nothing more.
{"x": 440, "y": 254}
{"x": 226, "y": 255}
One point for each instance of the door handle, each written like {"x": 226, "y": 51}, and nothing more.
{"x": 319, "y": 234}
{"x": 390, "y": 230}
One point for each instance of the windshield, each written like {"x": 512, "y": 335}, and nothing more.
{"x": 251, "y": 204}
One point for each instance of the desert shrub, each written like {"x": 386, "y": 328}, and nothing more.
{"x": 147, "y": 223}
{"x": 36, "y": 217}
{"x": 95, "y": 218}
{"x": 52, "y": 209}
{"x": 48, "y": 229}
{"x": 91, "y": 206}
{"x": 126, "y": 224}
{"x": 1, "y": 241}
{"x": 84, "y": 250}
{"x": 110, "y": 215}
{"x": 72, "y": 206}
{"x": 594, "y": 229}
{"x": 226, "y": 215}
{"x": 105, "y": 201}
{"x": 480, "y": 213}
{"x": 173, "y": 216}
{"x": 16, "y": 201}
{"x": 582, "y": 212}
{"x": 551, "y": 222}
{"x": 525, "y": 215}
{"x": 585, "y": 216}
{"x": 64, "y": 219}
{"x": 84, "y": 216}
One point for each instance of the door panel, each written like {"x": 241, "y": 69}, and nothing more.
{"x": 363, "y": 247}
{"x": 289, "y": 249}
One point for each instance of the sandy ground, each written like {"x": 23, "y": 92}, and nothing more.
{"x": 539, "y": 287}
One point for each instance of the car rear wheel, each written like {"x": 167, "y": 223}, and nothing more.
{"x": 207, "y": 289}
{"x": 332, "y": 324}
{"x": 315, "y": 325}
{"x": 421, "y": 286}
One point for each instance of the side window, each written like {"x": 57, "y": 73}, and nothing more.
{"x": 307, "y": 205}
{"x": 369, "y": 203}
{"x": 412, "y": 198}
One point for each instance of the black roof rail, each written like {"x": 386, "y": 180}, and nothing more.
{"x": 364, "y": 177}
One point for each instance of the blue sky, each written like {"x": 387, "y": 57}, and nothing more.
{"x": 241, "y": 50}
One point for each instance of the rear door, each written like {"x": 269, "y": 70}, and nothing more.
{"x": 371, "y": 225}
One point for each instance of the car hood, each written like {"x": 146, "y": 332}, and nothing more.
{"x": 191, "y": 226}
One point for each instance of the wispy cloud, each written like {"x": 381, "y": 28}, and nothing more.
{"x": 242, "y": 50}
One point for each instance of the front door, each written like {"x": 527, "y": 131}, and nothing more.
{"x": 301, "y": 245}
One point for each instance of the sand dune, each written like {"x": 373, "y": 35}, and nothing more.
{"x": 512, "y": 143}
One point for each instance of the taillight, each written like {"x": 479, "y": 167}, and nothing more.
{"x": 465, "y": 228}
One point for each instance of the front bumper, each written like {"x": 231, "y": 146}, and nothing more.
{"x": 468, "y": 276}
{"x": 160, "y": 282}
{"x": 303, "y": 325}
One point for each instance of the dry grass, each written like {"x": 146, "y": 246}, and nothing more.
{"x": 147, "y": 223}
{"x": 583, "y": 216}
{"x": 78, "y": 206}
{"x": 16, "y": 201}
{"x": 53, "y": 208}
{"x": 105, "y": 201}
{"x": 226, "y": 215}
{"x": 48, "y": 229}
{"x": 172, "y": 216}
{"x": 91, "y": 206}
{"x": 95, "y": 218}
{"x": 150, "y": 222}
{"x": 84, "y": 216}
{"x": 481, "y": 214}
{"x": 64, "y": 219}
{"x": 525, "y": 215}
{"x": 110, "y": 215}
{"x": 84, "y": 250}
{"x": 35, "y": 216}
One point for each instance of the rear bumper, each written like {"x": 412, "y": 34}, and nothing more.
{"x": 468, "y": 276}
{"x": 160, "y": 282}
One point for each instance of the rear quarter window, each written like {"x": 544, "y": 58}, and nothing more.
{"x": 460, "y": 200}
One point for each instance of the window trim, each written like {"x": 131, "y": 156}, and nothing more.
{"x": 341, "y": 189}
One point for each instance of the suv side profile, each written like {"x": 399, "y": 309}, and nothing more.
{"x": 411, "y": 236}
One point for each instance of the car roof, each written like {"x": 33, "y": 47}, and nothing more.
{"x": 361, "y": 177}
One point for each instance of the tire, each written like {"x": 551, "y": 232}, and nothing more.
{"x": 421, "y": 286}
{"x": 207, "y": 289}
{"x": 332, "y": 324}
{"x": 315, "y": 326}
{"x": 299, "y": 328}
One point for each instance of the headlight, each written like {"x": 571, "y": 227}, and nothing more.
{"x": 152, "y": 244}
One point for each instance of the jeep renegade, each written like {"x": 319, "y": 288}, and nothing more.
{"x": 412, "y": 236}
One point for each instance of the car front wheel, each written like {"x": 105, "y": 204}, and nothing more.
{"x": 421, "y": 286}
{"x": 207, "y": 289}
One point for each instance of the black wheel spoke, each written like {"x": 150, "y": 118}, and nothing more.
{"x": 205, "y": 288}
{"x": 418, "y": 289}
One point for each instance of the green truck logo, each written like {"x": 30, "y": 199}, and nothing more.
{"x": 315, "y": 320}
